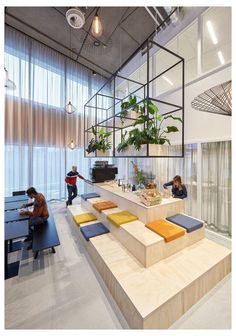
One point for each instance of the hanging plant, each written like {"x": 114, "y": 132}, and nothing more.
{"x": 153, "y": 133}
{"x": 100, "y": 142}
{"x": 130, "y": 104}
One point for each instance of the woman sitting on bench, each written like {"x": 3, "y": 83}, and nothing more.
{"x": 39, "y": 214}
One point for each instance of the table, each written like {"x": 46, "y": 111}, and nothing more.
{"x": 14, "y": 230}
{"x": 16, "y": 198}
{"x": 13, "y": 216}
{"x": 130, "y": 201}
{"x": 13, "y": 205}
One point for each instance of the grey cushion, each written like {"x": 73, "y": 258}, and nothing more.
{"x": 188, "y": 223}
{"x": 89, "y": 195}
{"x": 93, "y": 230}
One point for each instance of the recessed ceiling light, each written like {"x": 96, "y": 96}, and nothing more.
{"x": 221, "y": 57}
{"x": 168, "y": 81}
{"x": 96, "y": 43}
{"x": 211, "y": 32}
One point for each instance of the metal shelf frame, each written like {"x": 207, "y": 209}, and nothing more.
{"x": 112, "y": 111}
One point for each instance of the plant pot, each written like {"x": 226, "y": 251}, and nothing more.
{"x": 104, "y": 154}
{"x": 158, "y": 150}
{"x": 128, "y": 122}
{"x": 132, "y": 152}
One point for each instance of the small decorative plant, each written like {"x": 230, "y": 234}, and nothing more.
{"x": 138, "y": 173}
{"x": 153, "y": 132}
{"x": 100, "y": 142}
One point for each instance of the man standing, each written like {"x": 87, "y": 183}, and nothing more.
{"x": 39, "y": 214}
{"x": 71, "y": 184}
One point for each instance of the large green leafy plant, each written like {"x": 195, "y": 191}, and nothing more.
{"x": 100, "y": 142}
{"x": 152, "y": 133}
{"x": 130, "y": 104}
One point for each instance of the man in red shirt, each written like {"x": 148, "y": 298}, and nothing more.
{"x": 70, "y": 180}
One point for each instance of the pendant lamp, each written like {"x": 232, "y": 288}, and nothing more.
{"x": 71, "y": 145}
{"x": 70, "y": 108}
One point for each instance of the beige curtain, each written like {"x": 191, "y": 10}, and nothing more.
{"x": 37, "y": 129}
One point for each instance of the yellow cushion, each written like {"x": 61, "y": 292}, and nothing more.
{"x": 121, "y": 217}
{"x": 166, "y": 229}
{"x": 84, "y": 218}
{"x": 99, "y": 206}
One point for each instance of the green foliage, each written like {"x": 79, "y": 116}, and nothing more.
{"x": 101, "y": 141}
{"x": 130, "y": 104}
{"x": 152, "y": 133}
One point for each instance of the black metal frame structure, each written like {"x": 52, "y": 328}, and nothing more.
{"x": 93, "y": 109}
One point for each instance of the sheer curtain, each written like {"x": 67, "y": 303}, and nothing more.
{"x": 216, "y": 186}
{"x": 165, "y": 169}
{"x": 37, "y": 129}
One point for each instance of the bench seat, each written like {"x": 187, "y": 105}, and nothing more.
{"x": 165, "y": 229}
{"x": 93, "y": 230}
{"x": 45, "y": 236}
{"x": 188, "y": 223}
{"x": 100, "y": 206}
{"x": 84, "y": 218}
{"x": 121, "y": 217}
{"x": 89, "y": 195}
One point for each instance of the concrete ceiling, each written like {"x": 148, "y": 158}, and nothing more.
{"x": 125, "y": 29}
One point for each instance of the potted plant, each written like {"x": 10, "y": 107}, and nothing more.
{"x": 153, "y": 133}
{"x": 100, "y": 144}
{"x": 135, "y": 109}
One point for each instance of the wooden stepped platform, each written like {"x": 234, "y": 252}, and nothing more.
{"x": 155, "y": 297}
{"x": 145, "y": 245}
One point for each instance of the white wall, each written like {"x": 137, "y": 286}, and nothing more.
{"x": 203, "y": 126}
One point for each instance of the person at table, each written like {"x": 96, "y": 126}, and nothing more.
{"x": 38, "y": 215}
{"x": 178, "y": 188}
{"x": 71, "y": 179}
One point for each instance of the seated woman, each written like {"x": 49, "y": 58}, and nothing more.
{"x": 178, "y": 188}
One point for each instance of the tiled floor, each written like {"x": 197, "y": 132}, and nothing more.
{"x": 64, "y": 291}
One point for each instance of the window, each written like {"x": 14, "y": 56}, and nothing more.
{"x": 216, "y": 43}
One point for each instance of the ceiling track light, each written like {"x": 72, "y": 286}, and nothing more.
{"x": 211, "y": 32}
{"x": 221, "y": 57}
{"x": 168, "y": 80}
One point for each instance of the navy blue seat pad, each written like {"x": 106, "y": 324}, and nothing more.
{"x": 93, "y": 230}
{"x": 188, "y": 223}
{"x": 89, "y": 195}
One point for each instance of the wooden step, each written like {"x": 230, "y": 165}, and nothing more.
{"x": 147, "y": 246}
{"x": 157, "y": 296}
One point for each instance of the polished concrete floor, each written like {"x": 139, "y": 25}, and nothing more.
{"x": 64, "y": 291}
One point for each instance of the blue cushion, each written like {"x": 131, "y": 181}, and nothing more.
{"x": 188, "y": 223}
{"x": 93, "y": 230}
{"x": 90, "y": 195}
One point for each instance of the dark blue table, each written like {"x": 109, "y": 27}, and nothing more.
{"x": 14, "y": 230}
{"x": 16, "y": 198}
{"x": 13, "y": 216}
{"x": 13, "y": 205}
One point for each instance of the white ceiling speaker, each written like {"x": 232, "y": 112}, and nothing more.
{"x": 75, "y": 18}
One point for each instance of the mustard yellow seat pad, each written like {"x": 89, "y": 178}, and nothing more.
{"x": 84, "y": 218}
{"x": 99, "y": 206}
{"x": 166, "y": 229}
{"x": 121, "y": 217}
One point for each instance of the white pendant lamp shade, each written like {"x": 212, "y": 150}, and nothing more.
{"x": 97, "y": 28}
{"x": 71, "y": 145}
{"x": 70, "y": 108}
{"x": 9, "y": 84}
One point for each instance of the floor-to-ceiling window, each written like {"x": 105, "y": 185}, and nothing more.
{"x": 37, "y": 128}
